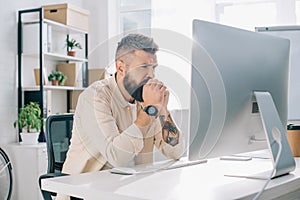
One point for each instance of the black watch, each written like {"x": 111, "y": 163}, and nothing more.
{"x": 151, "y": 110}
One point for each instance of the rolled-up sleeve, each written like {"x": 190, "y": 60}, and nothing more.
{"x": 173, "y": 152}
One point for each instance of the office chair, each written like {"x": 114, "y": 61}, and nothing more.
{"x": 58, "y": 135}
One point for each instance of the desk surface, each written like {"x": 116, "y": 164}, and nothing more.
{"x": 203, "y": 181}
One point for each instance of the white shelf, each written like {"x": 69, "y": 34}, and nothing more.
{"x": 60, "y": 57}
{"x": 51, "y": 87}
{"x": 57, "y": 26}
{"x": 56, "y": 57}
{"x": 63, "y": 28}
{"x": 129, "y": 10}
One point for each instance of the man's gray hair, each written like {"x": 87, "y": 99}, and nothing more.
{"x": 133, "y": 42}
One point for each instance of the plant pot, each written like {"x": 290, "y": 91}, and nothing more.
{"x": 54, "y": 82}
{"x": 29, "y": 138}
{"x": 71, "y": 53}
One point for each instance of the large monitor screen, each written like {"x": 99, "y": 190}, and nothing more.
{"x": 228, "y": 65}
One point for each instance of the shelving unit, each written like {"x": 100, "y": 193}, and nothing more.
{"x": 40, "y": 93}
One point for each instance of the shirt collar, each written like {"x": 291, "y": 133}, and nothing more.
{"x": 117, "y": 95}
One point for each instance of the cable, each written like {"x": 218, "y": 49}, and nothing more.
{"x": 277, "y": 138}
{"x": 253, "y": 139}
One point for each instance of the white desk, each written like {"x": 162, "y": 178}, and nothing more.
{"x": 204, "y": 181}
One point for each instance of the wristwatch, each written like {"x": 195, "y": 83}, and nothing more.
{"x": 151, "y": 110}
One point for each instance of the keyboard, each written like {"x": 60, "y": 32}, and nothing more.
{"x": 185, "y": 163}
{"x": 143, "y": 169}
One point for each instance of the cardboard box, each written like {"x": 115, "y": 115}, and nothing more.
{"x": 96, "y": 75}
{"x": 69, "y": 15}
{"x": 73, "y": 98}
{"x": 73, "y": 71}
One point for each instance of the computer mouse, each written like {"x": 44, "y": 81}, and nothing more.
{"x": 122, "y": 170}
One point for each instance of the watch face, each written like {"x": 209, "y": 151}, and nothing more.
{"x": 151, "y": 110}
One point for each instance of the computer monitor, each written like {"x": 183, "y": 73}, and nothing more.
{"x": 236, "y": 77}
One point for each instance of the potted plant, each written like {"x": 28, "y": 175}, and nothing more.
{"x": 29, "y": 122}
{"x": 71, "y": 45}
{"x": 57, "y": 78}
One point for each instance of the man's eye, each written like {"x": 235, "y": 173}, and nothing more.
{"x": 148, "y": 66}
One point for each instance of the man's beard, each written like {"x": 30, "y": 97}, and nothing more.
{"x": 135, "y": 90}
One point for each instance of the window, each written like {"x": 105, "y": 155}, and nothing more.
{"x": 135, "y": 14}
{"x": 298, "y": 11}
{"x": 248, "y": 14}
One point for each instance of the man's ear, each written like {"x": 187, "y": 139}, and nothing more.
{"x": 120, "y": 66}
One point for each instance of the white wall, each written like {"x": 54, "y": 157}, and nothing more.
{"x": 98, "y": 32}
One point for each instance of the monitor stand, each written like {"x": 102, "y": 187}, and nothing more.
{"x": 270, "y": 120}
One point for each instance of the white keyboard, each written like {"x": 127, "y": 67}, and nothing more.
{"x": 156, "y": 167}
{"x": 185, "y": 163}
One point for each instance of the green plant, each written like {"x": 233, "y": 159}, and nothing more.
{"x": 72, "y": 43}
{"x": 59, "y": 76}
{"x": 29, "y": 118}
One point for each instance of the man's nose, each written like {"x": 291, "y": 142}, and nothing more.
{"x": 151, "y": 72}
{"x": 151, "y": 75}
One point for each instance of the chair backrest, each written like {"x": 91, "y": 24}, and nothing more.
{"x": 59, "y": 133}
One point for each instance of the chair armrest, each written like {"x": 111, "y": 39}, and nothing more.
{"x": 47, "y": 195}
{"x": 52, "y": 175}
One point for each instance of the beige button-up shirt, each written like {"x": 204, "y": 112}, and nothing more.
{"x": 105, "y": 136}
